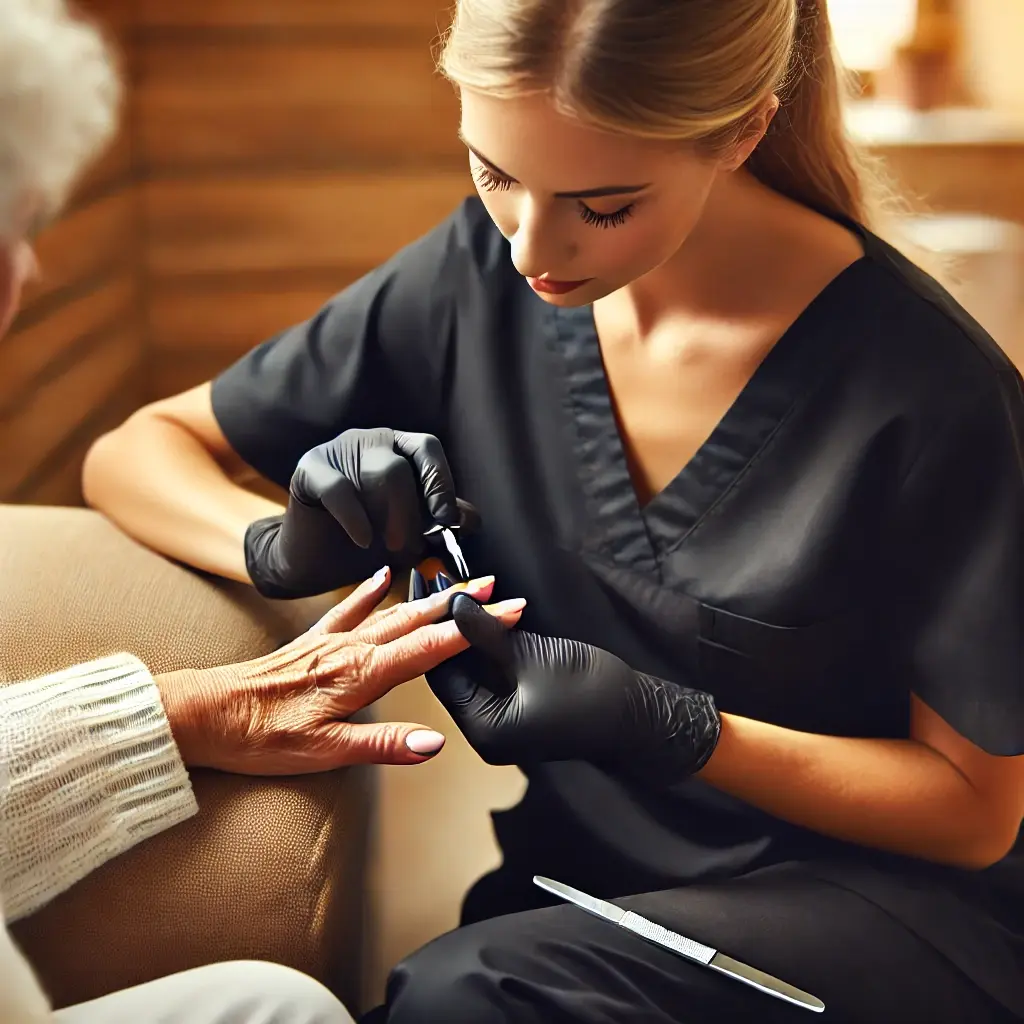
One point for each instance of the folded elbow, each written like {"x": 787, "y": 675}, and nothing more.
{"x": 96, "y": 458}
{"x": 988, "y": 848}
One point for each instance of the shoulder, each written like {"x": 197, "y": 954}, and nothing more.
{"x": 926, "y": 352}
{"x": 466, "y": 244}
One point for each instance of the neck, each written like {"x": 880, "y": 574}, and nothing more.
{"x": 732, "y": 266}
{"x": 716, "y": 270}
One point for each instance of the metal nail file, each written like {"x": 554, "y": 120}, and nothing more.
{"x": 681, "y": 946}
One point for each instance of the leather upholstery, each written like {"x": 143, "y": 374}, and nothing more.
{"x": 269, "y": 868}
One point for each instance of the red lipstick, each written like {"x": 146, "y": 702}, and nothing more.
{"x": 548, "y": 287}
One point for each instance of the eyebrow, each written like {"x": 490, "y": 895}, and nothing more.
{"x": 587, "y": 193}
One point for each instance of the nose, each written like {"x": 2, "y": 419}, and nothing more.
{"x": 536, "y": 245}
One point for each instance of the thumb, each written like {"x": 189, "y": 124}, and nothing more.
{"x": 382, "y": 743}
{"x": 482, "y": 631}
{"x": 489, "y": 638}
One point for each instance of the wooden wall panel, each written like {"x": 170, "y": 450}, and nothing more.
{"x": 285, "y": 149}
{"x": 231, "y": 317}
{"x": 37, "y": 350}
{"x": 85, "y": 245}
{"x": 75, "y": 353}
{"x": 212, "y": 103}
{"x": 58, "y": 478}
{"x": 402, "y": 15}
{"x": 111, "y": 170}
{"x": 305, "y": 223}
{"x": 55, "y": 413}
{"x": 195, "y": 333}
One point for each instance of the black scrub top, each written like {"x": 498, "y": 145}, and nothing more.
{"x": 849, "y": 534}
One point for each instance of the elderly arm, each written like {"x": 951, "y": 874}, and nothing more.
{"x": 88, "y": 768}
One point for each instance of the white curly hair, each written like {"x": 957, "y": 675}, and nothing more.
{"x": 60, "y": 94}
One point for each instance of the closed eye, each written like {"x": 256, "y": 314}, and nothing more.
{"x": 491, "y": 182}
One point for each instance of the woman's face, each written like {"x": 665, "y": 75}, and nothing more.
{"x": 581, "y": 208}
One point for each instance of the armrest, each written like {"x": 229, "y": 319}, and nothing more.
{"x": 269, "y": 868}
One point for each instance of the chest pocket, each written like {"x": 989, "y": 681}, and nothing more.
{"x": 792, "y": 675}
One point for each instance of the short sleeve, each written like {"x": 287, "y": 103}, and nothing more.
{"x": 957, "y": 592}
{"x": 373, "y": 356}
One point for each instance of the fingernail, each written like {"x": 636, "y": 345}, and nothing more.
{"x": 515, "y": 604}
{"x": 380, "y": 576}
{"x": 444, "y": 582}
{"x": 479, "y": 585}
{"x": 424, "y": 741}
{"x": 418, "y": 588}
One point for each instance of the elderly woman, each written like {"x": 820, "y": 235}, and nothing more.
{"x": 113, "y": 740}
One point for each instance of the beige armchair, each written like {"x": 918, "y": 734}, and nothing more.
{"x": 270, "y": 868}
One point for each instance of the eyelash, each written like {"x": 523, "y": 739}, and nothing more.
{"x": 490, "y": 182}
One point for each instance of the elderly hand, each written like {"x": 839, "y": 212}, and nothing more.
{"x": 286, "y": 713}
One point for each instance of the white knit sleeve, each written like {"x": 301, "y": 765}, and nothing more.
{"x": 88, "y": 768}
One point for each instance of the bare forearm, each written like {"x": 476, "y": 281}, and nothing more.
{"x": 894, "y": 795}
{"x": 176, "y": 498}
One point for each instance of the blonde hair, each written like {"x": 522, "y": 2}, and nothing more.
{"x": 688, "y": 70}
{"x": 59, "y": 99}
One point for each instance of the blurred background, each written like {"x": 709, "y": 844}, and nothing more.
{"x": 274, "y": 150}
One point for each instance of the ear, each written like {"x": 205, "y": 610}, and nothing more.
{"x": 10, "y": 285}
{"x": 17, "y": 265}
{"x": 753, "y": 132}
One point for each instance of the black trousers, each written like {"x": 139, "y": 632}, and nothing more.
{"x": 558, "y": 964}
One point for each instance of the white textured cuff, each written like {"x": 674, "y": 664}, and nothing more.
{"x": 88, "y": 768}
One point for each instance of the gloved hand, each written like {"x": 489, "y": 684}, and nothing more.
{"x": 520, "y": 698}
{"x": 346, "y": 497}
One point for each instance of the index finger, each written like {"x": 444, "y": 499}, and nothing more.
{"x": 397, "y": 620}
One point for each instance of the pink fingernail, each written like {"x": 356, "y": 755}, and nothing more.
{"x": 515, "y": 604}
{"x": 424, "y": 741}
{"x": 478, "y": 586}
{"x": 380, "y": 576}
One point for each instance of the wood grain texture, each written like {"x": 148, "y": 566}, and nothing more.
{"x": 53, "y": 412}
{"x": 213, "y": 104}
{"x": 43, "y": 347}
{"x": 116, "y": 15}
{"x": 292, "y": 222}
{"x": 173, "y": 372}
{"x": 233, "y": 317}
{"x": 111, "y": 168}
{"x": 284, "y": 14}
{"x": 57, "y": 480}
{"x": 84, "y": 245}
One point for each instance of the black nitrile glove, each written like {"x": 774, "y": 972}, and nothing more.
{"x": 520, "y": 698}
{"x": 346, "y": 497}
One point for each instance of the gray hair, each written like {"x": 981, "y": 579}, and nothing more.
{"x": 60, "y": 94}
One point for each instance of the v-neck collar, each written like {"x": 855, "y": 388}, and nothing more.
{"x": 639, "y": 537}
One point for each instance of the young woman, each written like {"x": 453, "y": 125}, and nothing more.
{"x": 759, "y": 466}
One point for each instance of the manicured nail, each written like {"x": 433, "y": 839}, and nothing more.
{"x": 515, "y": 604}
{"x": 380, "y": 576}
{"x": 478, "y": 585}
{"x": 444, "y": 582}
{"x": 424, "y": 741}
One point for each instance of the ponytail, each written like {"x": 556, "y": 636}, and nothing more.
{"x": 806, "y": 153}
